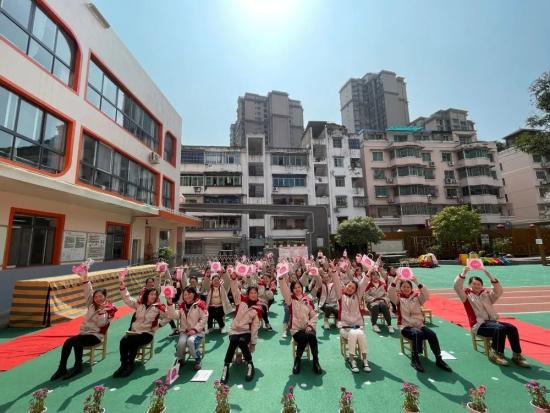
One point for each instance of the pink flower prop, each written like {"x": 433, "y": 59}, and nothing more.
{"x": 161, "y": 267}
{"x": 168, "y": 291}
{"x": 179, "y": 273}
{"x": 216, "y": 266}
{"x": 80, "y": 269}
{"x": 313, "y": 271}
{"x": 122, "y": 275}
{"x": 367, "y": 262}
{"x": 406, "y": 273}
{"x": 282, "y": 269}
{"x": 259, "y": 264}
{"x": 475, "y": 263}
{"x": 241, "y": 269}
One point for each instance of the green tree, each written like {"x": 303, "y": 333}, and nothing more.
{"x": 357, "y": 233}
{"x": 538, "y": 142}
{"x": 458, "y": 224}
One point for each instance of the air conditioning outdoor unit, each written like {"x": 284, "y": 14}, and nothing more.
{"x": 451, "y": 163}
{"x": 432, "y": 164}
{"x": 389, "y": 180}
{"x": 154, "y": 158}
{"x": 275, "y": 189}
{"x": 449, "y": 180}
{"x": 391, "y": 201}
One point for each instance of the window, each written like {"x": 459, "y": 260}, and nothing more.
{"x": 31, "y": 135}
{"x": 418, "y": 209}
{"x": 222, "y": 199}
{"x": 446, "y": 157}
{"x": 377, "y": 155}
{"x": 340, "y": 181}
{"x": 191, "y": 180}
{"x": 220, "y": 223}
{"x": 289, "y": 180}
{"x": 289, "y": 160}
{"x": 222, "y": 180}
{"x": 341, "y": 201}
{"x": 360, "y": 201}
{"x": 29, "y": 29}
{"x": 410, "y": 171}
{"x": 426, "y": 157}
{"x": 379, "y": 174}
{"x": 105, "y": 168}
{"x": 465, "y": 139}
{"x": 288, "y": 223}
{"x": 480, "y": 190}
{"x": 543, "y": 191}
{"x": 406, "y": 151}
{"x": 167, "y": 194}
{"x": 355, "y": 163}
{"x": 449, "y": 175}
{"x": 192, "y": 157}
{"x": 354, "y": 143}
{"x": 406, "y": 190}
{"x": 541, "y": 175}
{"x": 169, "y": 149}
{"x": 488, "y": 209}
{"x": 400, "y": 138}
{"x": 537, "y": 158}
{"x": 474, "y": 153}
{"x": 116, "y": 241}
{"x": 193, "y": 246}
{"x": 32, "y": 239}
{"x": 221, "y": 158}
{"x": 451, "y": 193}
{"x": 256, "y": 169}
{"x": 429, "y": 173}
{"x": 381, "y": 191}
{"x": 336, "y": 142}
{"x": 256, "y": 190}
{"x": 109, "y": 97}
{"x": 338, "y": 161}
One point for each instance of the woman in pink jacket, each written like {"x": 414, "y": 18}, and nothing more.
{"x": 478, "y": 302}
{"x": 192, "y": 314}
{"x": 244, "y": 329}
{"x": 98, "y": 315}
{"x": 148, "y": 313}
{"x": 303, "y": 320}
{"x": 411, "y": 320}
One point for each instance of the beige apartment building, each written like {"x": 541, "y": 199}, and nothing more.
{"x": 412, "y": 172}
{"x": 526, "y": 180}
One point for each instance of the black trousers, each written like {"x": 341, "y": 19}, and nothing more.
{"x": 241, "y": 341}
{"x": 216, "y": 313}
{"x": 78, "y": 343}
{"x": 302, "y": 340}
{"x": 498, "y": 331}
{"x": 417, "y": 335}
{"x": 265, "y": 315}
{"x": 129, "y": 345}
{"x": 376, "y": 308}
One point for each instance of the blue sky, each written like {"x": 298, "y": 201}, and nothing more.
{"x": 478, "y": 55}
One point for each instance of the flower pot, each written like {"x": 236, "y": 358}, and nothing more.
{"x": 537, "y": 409}
{"x": 472, "y": 410}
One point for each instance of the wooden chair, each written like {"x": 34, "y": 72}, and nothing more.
{"x": 295, "y": 345}
{"x": 427, "y": 313}
{"x": 406, "y": 344}
{"x": 202, "y": 347}
{"x": 344, "y": 347}
{"x": 146, "y": 351}
{"x": 90, "y": 351}
{"x": 486, "y": 341}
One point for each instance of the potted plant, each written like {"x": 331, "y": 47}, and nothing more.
{"x": 38, "y": 401}
{"x": 346, "y": 400}
{"x": 165, "y": 254}
{"x": 477, "y": 404}
{"x": 93, "y": 401}
{"x": 410, "y": 402}
{"x": 222, "y": 394}
{"x": 288, "y": 402}
{"x": 538, "y": 397}
{"x": 156, "y": 405}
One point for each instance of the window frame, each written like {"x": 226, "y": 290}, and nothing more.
{"x": 173, "y": 158}
{"x": 171, "y": 197}
{"x": 126, "y": 245}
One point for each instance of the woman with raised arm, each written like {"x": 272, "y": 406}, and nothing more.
{"x": 216, "y": 299}
{"x": 145, "y": 322}
{"x": 351, "y": 319}
{"x": 410, "y": 319}
{"x": 244, "y": 328}
{"x": 478, "y": 302}
{"x": 378, "y": 302}
{"x": 192, "y": 314}
{"x": 302, "y": 322}
{"x": 99, "y": 312}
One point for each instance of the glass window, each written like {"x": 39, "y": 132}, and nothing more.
{"x": 426, "y": 156}
{"x": 167, "y": 191}
{"x": 377, "y": 155}
{"x": 355, "y": 162}
{"x": 104, "y": 157}
{"x": 26, "y": 151}
{"x": 32, "y": 240}
{"x": 341, "y": 201}
{"x": 168, "y": 148}
{"x": 29, "y": 123}
{"x": 379, "y": 174}
{"x": 54, "y": 133}
{"x": 446, "y": 157}
{"x": 50, "y": 46}
{"x": 116, "y": 242}
{"x": 336, "y": 142}
{"x": 8, "y": 108}
{"x": 381, "y": 191}
{"x": 339, "y": 161}
{"x": 354, "y": 143}
{"x": 541, "y": 175}
{"x": 6, "y": 144}
{"x": 340, "y": 181}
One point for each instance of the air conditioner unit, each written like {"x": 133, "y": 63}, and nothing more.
{"x": 449, "y": 181}
{"x": 154, "y": 158}
{"x": 451, "y": 163}
{"x": 432, "y": 164}
{"x": 389, "y": 180}
{"x": 319, "y": 179}
{"x": 275, "y": 189}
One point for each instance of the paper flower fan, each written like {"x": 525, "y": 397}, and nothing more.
{"x": 405, "y": 273}
{"x": 269, "y": 255}
{"x": 168, "y": 291}
{"x": 241, "y": 269}
{"x": 282, "y": 269}
{"x": 80, "y": 269}
{"x": 259, "y": 264}
{"x": 122, "y": 275}
{"x": 475, "y": 263}
{"x": 161, "y": 267}
{"x": 179, "y": 273}
{"x": 367, "y": 262}
{"x": 313, "y": 271}
{"x": 216, "y": 266}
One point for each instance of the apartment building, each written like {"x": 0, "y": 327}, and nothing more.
{"x": 526, "y": 180}
{"x": 89, "y": 158}
{"x": 254, "y": 174}
{"x": 275, "y": 116}
{"x": 411, "y": 173}
{"x": 375, "y": 101}
{"x": 337, "y": 172}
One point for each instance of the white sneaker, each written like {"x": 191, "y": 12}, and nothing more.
{"x": 366, "y": 367}
{"x": 285, "y": 333}
{"x": 353, "y": 365}
{"x": 375, "y": 328}
{"x": 391, "y": 330}
{"x": 326, "y": 326}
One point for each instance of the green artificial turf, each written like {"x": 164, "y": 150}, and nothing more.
{"x": 539, "y": 319}
{"x": 378, "y": 391}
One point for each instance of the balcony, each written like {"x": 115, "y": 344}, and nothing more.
{"x": 479, "y": 180}
{"x": 407, "y": 160}
{"x": 409, "y": 180}
{"x": 481, "y": 161}
{"x": 481, "y": 199}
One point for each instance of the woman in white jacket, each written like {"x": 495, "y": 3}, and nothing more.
{"x": 478, "y": 302}
{"x": 411, "y": 320}
{"x": 244, "y": 328}
{"x": 98, "y": 315}
{"x": 148, "y": 312}
{"x": 191, "y": 314}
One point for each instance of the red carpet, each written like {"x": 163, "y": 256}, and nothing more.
{"x": 535, "y": 340}
{"x": 25, "y": 348}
